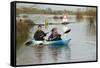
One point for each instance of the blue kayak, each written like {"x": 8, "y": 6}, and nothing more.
{"x": 59, "y": 42}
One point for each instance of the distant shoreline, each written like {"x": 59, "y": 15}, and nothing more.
{"x": 53, "y": 14}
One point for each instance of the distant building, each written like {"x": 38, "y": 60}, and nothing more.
{"x": 65, "y": 18}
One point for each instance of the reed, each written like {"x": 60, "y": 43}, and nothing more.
{"x": 22, "y": 31}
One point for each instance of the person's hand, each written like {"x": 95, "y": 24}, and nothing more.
{"x": 59, "y": 35}
{"x": 47, "y": 33}
{"x": 41, "y": 36}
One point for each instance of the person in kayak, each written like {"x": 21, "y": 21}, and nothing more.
{"x": 39, "y": 34}
{"x": 54, "y": 35}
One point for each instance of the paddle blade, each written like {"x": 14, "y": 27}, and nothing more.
{"x": 67, "y": 31}
{"x": 28, "y": 43}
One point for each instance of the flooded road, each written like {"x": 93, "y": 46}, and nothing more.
{"x": 82, "y": 46}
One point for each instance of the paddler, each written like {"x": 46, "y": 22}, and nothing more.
{"x": 39, "y": 34}
{"x": 54, "y": 35}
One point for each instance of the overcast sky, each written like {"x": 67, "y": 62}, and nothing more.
{"x": 53, "y": 7}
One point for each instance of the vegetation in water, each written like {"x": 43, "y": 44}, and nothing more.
{"x": 22, "y": 31}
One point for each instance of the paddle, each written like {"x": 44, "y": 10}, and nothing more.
{"x": 67, "y": 31}
{"x": 28, "y": 43}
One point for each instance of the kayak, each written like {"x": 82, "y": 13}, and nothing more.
{"x": 59, "y": 42}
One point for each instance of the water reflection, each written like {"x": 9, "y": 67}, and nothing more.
{"x": 49, "y": 54}
{"x": 38, "y": 52}
{"x": 60, "y": 54}
{"x": 91, "y": 26}
{"x": 55, "y": 52}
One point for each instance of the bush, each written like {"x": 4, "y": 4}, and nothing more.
{"x": 22, "y": 32}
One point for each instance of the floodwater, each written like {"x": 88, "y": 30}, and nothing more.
{"x": 82, "y": 46}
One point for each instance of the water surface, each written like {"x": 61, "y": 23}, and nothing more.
{"x": 82, "y": 46}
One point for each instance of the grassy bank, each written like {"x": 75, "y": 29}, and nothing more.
{"x": 22, "y": 31}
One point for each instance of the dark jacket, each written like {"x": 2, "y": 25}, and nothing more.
{"x": 39, "y": 34}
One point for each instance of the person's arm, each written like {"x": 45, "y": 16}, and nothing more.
{"x": 42, "y": 34}
{"x": 36, "y": 35}
{"x": 49, "y": 38}
{"x": 58, "y": 37}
